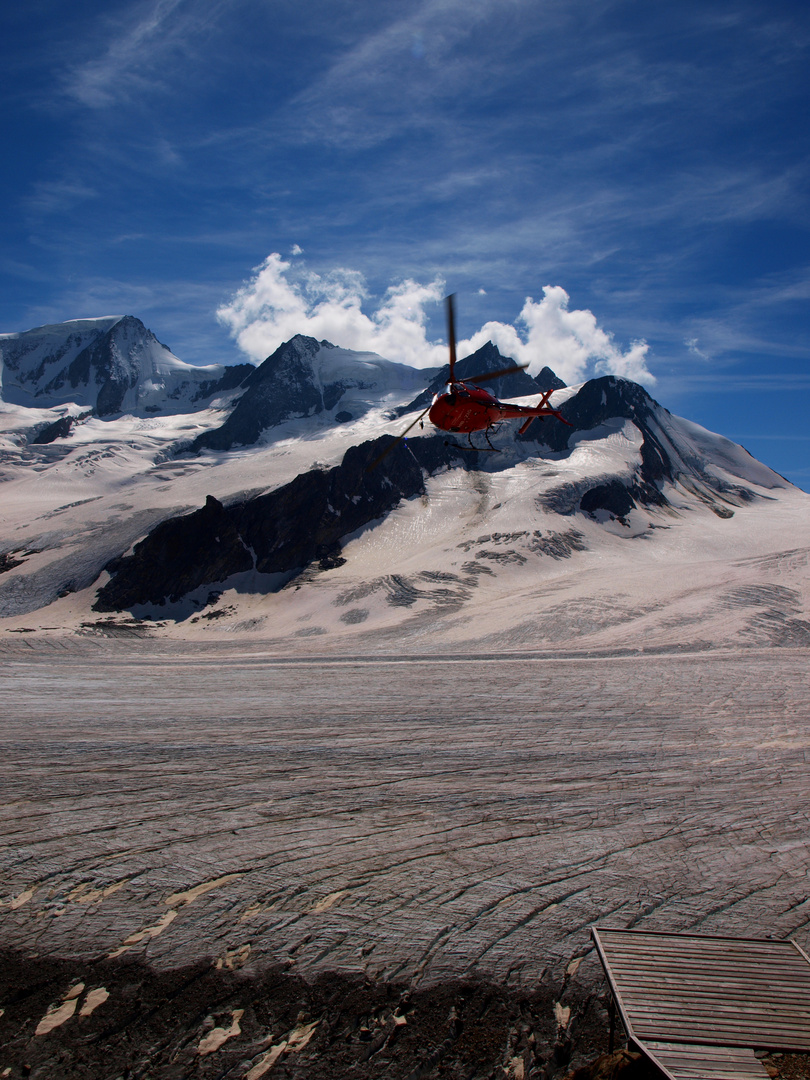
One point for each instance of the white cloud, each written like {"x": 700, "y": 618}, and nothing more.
{"x": 278, "y": 302}
{"x": 569, "y": 342}
{"x": 275, "y": 305}
{"x": 692, "y": 346}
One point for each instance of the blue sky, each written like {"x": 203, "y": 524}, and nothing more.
{"x": 650, "y": 160}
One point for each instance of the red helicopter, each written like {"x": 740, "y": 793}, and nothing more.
{"x": 465, "y": 407}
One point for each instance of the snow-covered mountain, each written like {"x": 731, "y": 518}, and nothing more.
{"x": 255, "y": 513}
{"x": 305, "y": 377}
{"x": 112, "y": 365}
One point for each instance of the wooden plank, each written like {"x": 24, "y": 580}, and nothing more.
{"x": 797, "y": 1028}
{"x": 703, "y": 1070}
{"x": 718, "y": 1015}
{"x": 766, "y": 956}
{"x": 794, "y": 1025}
{"x": 693, "y": 948}
{"x": 667, "y": 937}
{"x": 711, "y": 1035}
{"x": 714, "y": 987}
{"x": 762, "y": 1040}
{"x": 698, "y": 992}
{"x": 698, "y": 964}
{"x": 683, "y": 988}
{"x": 739, "y": 955}
{"x": 699, "y": 1052}
{"x": 720, "y": 1019}
{"x": 720, "y": 998}
{"x": 716, "y": 1071}
{"x": 742, "y": 987}
{"x": 759, "y": 1034}
{"x": 669, "y": 934}
{"x": 754, "y": 978}
{"x": 699, "y": 967}
{"x": 794, "y": 961}
{"x": 703, "y": 945}
{"x": 762, "y": 1004}
{"x": 721, "y": 1035}
{"x": 701, "y": 963}
{"x": 640, "y": 939}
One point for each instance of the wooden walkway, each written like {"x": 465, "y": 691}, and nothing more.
{"x": 699, "y": 1006}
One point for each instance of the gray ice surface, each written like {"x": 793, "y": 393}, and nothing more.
{"x": 412, "y": 818}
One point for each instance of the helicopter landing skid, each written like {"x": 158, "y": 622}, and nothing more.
{"x": 488, "y": 449}
{"x": 473, "y": 449}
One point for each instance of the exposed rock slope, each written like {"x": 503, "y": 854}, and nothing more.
{"x": 278, "y": 533}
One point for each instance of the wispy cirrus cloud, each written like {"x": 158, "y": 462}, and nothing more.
{"x": 57, "y": 196}
{"x": 132, "y": 49}
{"x": 400, "y": 78}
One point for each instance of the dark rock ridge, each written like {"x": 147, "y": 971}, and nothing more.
{"x": 37, "y": 361}
{"x": 231, "y": 378}
{"x": 113, "y": 362}
{"x": 59, "y": 429}
{"x": 547, "y": 380}
{"x": 487, "y": 358}
{"x": 281, "y": 532}
{"x": 285, "y": 386}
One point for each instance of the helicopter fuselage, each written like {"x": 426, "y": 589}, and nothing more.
{"x": 465, "y": 408}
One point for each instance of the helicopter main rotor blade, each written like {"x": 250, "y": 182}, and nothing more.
{"x": 451, "y": 332}
{"x": 397, "y": 441}
{"x": 496, "y": 374}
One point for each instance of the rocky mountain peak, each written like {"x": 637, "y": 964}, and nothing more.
{"x": 112, "y": 365}
{"x": 292, "y": 362}
{"x": 304, "y": 378}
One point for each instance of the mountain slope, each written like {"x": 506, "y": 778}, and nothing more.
{"x": 307, "y": 520}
